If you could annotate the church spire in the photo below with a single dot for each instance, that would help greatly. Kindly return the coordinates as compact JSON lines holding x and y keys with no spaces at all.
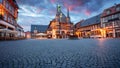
{"x":68,"y":13}
{"x":58,"y":9}
{"x":58,"y":12}
{"x":68,"y":16}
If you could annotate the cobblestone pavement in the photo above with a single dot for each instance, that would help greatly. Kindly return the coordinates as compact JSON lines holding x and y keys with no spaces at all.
{"x":83,"y":53}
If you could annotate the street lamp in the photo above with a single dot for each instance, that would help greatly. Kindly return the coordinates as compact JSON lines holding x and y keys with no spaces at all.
{"x":5,"y":31}
{"x":113,"y":27}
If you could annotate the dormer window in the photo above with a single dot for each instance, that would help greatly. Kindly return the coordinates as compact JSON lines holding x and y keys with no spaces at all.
{"x":108,"y":11}
{"x":118,"y":8}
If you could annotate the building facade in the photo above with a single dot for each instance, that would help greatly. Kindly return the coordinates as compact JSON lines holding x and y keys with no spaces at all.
{"x":28,"y":35}
{"x":60,"y":26}
{"x":8,"y":17}
{"x":110,"y":21}
{"x":89,"y":28}
{"x":39,"y":31}
{"x":20,"y":32}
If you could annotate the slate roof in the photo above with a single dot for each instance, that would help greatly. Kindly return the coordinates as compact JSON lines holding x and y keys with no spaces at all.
{"x":91,"y":21}
{"x":39,"y":28}
{"x":62,"y":17}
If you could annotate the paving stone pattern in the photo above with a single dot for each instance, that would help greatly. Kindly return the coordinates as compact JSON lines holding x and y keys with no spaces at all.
{"x":83,"y":53}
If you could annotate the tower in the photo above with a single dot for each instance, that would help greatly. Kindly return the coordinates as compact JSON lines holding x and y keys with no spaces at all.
{"x":68,"y":17}
{"x":58,"y":12}
{"x":68,"y":13}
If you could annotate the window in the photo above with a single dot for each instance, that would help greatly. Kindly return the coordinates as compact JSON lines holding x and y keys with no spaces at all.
{"x":7,"y":5}
{"x":5,"y":17}
{"x":112,"y":16}
{"x":57,"y":32}
{"x":118,"y":9}
{"x":8,"y":18}
{"x":108,"y":12}
{"x":105,"y":19}
{"x":0,"y":11}
{"x":115,"y":16}
{"x":109,"y":17}
{"x":102,"y":19}
{"x":12,"y":11}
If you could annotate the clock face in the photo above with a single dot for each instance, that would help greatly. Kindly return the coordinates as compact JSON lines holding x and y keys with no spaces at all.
{"x":59,"y":7}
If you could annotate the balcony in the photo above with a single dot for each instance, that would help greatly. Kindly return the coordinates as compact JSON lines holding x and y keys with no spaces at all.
{"x":8,"y":31}
{"x":6,"y":24}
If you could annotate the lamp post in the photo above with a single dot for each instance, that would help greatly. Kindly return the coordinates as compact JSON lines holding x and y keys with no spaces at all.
{"x":113,"y":27}
{"x":5,"y":35}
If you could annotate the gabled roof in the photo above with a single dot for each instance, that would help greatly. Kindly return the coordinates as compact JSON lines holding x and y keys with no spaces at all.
{"x":62,"y":17}
{"x":112,"y":10}
{"x":91,"y":21}
{"x":39,"y":28}
{"x":78,"y":24}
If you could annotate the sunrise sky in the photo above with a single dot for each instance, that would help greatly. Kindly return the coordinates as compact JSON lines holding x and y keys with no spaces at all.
{"x":41,"y":12}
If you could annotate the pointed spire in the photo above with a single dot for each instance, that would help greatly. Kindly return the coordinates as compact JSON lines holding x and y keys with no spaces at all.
{"x":68,"y":16}
{"x":57,"y":10}
{"x":68,"y":13}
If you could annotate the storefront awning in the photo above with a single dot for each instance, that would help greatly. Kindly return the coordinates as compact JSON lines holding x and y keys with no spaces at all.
{"x":41,"y":34}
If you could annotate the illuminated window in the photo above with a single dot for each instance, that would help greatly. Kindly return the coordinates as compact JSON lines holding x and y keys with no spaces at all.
{"x":57,"y":31}
{"x":109,"y":17}
{"x":1,"y":11}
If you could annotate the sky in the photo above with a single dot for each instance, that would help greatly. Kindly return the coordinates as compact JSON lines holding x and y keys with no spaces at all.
{"x":41,"y":12}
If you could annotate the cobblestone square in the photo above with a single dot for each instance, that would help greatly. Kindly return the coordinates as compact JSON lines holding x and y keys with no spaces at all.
{"x":83,"y":53}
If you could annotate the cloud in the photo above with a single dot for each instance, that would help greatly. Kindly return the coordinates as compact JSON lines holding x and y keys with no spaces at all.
{"x":87,"y":12}
{"x":43,"y":11}
{"x":52,"y":1}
